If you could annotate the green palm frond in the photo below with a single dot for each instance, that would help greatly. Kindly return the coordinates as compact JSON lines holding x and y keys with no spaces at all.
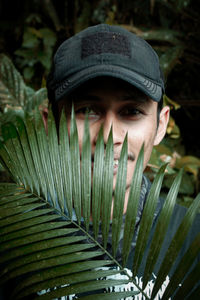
{"x":49,"y":245}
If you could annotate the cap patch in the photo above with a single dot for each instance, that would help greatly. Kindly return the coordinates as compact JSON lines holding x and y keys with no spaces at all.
{"x":105,"y":42}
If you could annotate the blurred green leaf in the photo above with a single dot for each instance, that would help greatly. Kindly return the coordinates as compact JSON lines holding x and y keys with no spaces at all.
{"x":13,"y":91}
{"x":190,"y":164}
{"x":164,"y":35}
{"x":170,"y":58}
{"x":83,"y":20}
{"x":181,"y":4}
{"x":188,"y":161}
{"x":37,"y":47}
{"x":48,"y":36}
{"x":30,"y":39}
{"x":28,"y":73}
{"x":38,"y":99}
{"x":172,"y":129}
{"x":187,"y":184}
{"x":15,"y":97}
{"x":170,"y":102}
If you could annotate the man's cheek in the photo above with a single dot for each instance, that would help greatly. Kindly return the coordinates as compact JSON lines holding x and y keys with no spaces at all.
{"x":80,"y":130}
{"x":130,"y":171}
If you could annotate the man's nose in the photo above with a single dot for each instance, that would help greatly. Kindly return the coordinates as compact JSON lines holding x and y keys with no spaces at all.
{"x":111,"y":121}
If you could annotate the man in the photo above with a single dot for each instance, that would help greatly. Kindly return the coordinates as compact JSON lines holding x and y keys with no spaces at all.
{"x":115,"y":77}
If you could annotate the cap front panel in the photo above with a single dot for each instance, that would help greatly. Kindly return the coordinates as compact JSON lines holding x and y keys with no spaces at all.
{"x":105,"y":50}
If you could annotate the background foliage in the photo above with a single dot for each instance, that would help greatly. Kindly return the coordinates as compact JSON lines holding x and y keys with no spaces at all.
{"x":32,"y":30}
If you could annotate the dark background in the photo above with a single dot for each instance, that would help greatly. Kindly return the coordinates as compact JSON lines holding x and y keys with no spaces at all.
{"x":65,"y":18}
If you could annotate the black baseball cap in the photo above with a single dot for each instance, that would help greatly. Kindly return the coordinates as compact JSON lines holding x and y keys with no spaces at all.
{"x":105,"y":50}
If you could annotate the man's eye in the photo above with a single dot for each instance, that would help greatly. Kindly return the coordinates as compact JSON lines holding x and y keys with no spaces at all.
{"x":82,"y":110}
{"x":130,"y":112}
{"x":86,"y":110}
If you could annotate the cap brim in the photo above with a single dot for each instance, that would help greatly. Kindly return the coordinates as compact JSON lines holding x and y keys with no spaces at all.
{"x":148,"y":87}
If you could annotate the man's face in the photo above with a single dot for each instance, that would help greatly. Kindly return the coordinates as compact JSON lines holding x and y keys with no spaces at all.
{"x":112,"y":102}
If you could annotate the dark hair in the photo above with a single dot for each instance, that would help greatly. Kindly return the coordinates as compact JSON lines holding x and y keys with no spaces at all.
{"x":159,"y":108}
